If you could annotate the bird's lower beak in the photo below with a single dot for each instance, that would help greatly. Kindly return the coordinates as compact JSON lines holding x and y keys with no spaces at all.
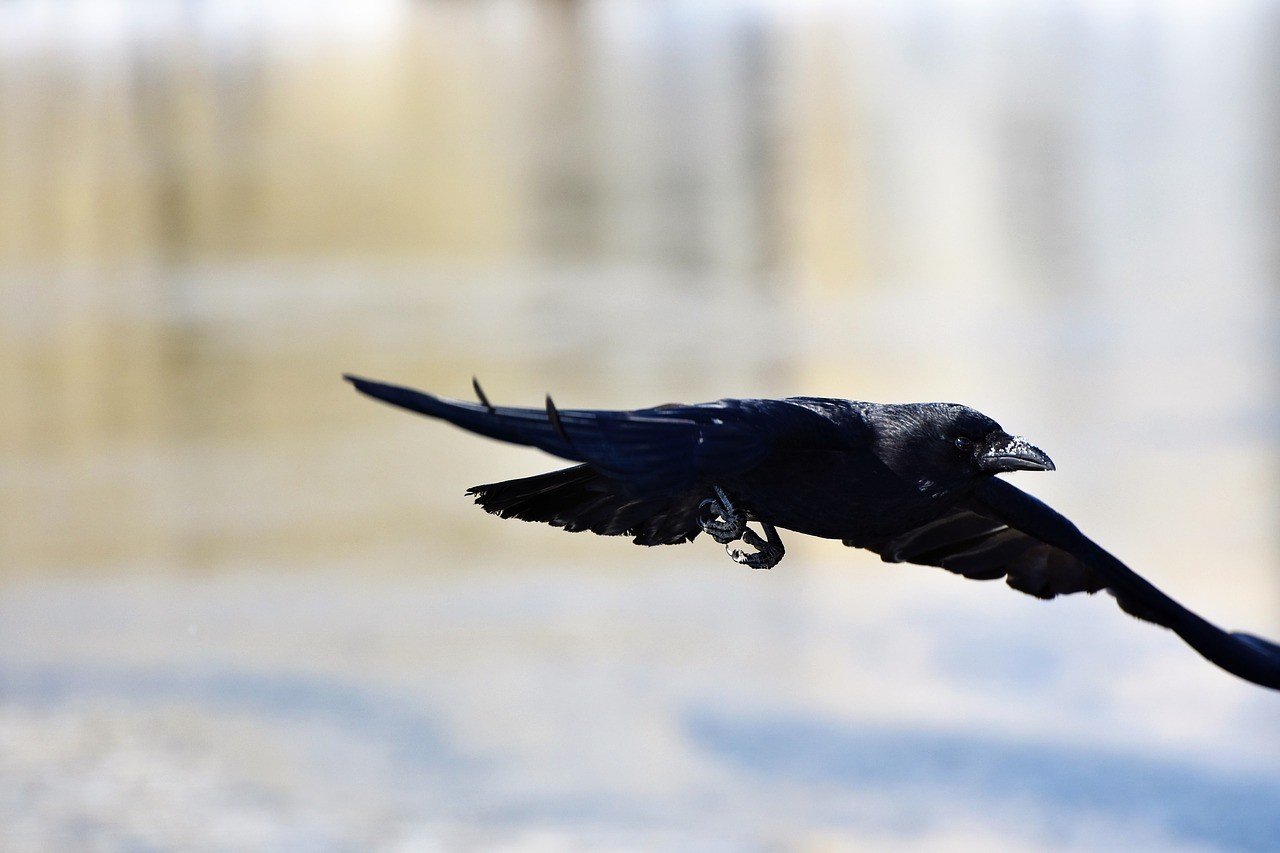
{"x":1014,"y":453}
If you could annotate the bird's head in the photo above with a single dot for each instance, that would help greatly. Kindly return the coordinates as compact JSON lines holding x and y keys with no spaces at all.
{"x":945,"y":446}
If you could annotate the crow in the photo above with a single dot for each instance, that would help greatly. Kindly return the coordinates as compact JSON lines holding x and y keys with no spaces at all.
{"x":912,"y":482}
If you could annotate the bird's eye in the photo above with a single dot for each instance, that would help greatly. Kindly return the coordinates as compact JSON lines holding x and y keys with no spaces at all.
{"x":964,"y":444}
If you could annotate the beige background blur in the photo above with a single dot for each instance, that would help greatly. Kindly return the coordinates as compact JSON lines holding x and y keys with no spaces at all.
{"x":241,"y":607}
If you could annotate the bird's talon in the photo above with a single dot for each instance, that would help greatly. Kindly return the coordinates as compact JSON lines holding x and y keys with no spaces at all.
{"x":766,"y":558}
{"x":769,"y":550}
{"x":726,"y":525}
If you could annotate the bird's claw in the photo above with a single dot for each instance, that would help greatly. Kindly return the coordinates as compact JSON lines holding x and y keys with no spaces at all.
{"x":730,"y":525}
{"x":726,"y":525}
{"x":768,"y":552}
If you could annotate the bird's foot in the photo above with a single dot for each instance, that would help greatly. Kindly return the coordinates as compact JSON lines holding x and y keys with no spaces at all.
{"x":769,"y":551}
{"x":731,"y":523}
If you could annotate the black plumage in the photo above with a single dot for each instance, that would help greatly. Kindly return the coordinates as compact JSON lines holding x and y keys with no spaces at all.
{"x":911,"y":482}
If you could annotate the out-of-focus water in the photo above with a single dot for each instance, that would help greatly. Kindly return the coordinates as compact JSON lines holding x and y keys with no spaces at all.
{"x":241,"y":607}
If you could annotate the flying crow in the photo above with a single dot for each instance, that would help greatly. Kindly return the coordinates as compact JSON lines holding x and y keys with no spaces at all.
{"x":912,"y":482}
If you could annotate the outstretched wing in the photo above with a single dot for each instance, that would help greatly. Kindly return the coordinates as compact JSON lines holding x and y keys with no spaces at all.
{"x":975,"y":542}
{"x":579,"y":498}
{"x":646,"y":450}
{"x":1005,"y":532}
{"x":1252,"y":658}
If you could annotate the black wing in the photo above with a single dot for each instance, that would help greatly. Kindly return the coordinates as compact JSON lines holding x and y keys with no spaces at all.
{"x":1005,"y":532}
{"x":973,"y":541}
{"x":579,"y":498}
{"x":660,"y":449}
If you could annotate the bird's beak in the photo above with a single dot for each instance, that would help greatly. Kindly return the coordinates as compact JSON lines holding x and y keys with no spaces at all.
{"x":1013,"y":453}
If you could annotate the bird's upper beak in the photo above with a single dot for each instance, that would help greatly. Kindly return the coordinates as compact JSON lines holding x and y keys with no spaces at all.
{"x":1013,"y":453}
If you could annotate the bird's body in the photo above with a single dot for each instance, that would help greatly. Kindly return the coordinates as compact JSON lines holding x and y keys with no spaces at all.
{"x":863,"y":489}
{"x":912,"y":482}
{"x":847,"y":495}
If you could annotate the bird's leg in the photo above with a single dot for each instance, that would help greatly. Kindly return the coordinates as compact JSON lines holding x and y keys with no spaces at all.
{"x":731,"y":523}
{"x":769,"y":551}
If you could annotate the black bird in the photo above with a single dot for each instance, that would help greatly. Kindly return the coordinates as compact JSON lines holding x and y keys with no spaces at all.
{"x":912,"y":482}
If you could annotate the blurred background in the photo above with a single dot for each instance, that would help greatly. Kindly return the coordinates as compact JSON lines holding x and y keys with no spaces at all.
{"x":243,"y":608}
